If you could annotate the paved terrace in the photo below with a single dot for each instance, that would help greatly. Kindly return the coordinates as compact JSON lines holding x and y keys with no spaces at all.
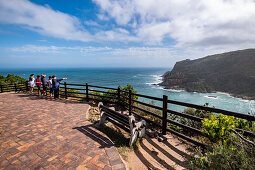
{"x":40,"y":133}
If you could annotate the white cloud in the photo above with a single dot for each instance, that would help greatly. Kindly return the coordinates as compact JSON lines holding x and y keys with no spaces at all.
{"x":91,"y":23}
{"x":88,"y":50}
{"x":129,"y":56}
{"x":38,"y":49}
{"x":204,"y":25}
{"x":198,"y":23}
{"x":42,"y":19}
{"x":47,"y":21}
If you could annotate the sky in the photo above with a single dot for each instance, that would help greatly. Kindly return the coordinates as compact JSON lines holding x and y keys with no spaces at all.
{"x":121,"y":33}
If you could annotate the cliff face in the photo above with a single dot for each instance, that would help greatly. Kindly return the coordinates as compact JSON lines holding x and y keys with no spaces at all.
{"x":232,"y":72}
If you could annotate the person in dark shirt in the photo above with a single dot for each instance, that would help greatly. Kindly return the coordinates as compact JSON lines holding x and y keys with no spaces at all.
{"x":44,"y":84}
{"x":55,"y":85}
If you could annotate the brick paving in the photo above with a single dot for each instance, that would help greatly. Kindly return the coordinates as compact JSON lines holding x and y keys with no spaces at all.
{"x":40,"y":133}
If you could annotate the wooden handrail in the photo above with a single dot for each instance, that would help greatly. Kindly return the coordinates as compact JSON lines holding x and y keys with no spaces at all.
{"x":128,"y":103}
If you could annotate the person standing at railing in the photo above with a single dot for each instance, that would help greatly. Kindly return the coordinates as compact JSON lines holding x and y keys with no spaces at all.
{"x":55,"y":85}
{"x":50,"y":86}
{"x":31,"y":83}
{"x":38,"y":84}
{"x":44,"y":84}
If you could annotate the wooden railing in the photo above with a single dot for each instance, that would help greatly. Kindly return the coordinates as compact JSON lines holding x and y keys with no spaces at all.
{"x":125,"y":99}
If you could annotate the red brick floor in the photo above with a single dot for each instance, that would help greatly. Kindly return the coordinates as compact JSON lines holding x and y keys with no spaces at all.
{"x":40,"y":133}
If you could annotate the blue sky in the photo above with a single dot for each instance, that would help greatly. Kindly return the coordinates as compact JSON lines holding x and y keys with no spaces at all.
{"x":121,"y":33}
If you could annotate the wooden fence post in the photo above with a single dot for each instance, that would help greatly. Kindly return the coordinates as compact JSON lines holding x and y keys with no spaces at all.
{"x":1,"y":88}
{"x":118,"y":96}
{"x":130,"y":102}
{"x":15,"y":86}
{"x":65,"y":90}
{"x":164,"y":116}
{"x":26,"y":84}
{"x":87,"y":92}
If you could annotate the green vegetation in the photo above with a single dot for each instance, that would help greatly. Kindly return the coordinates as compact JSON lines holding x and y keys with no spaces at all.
{"x":229,"y":149}
{"x":218,"y":127}
{"x":112,"y":95}
{"x":10,"y":79}
{"x":231,"y":72}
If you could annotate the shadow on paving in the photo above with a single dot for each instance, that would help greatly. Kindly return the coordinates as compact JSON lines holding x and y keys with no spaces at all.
{"x":89,"y":132}
{"x":61,"y":100}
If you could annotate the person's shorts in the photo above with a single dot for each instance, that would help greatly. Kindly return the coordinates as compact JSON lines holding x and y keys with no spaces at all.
{"x":51,"y":90}
{"x":44,"y":87}
{"x":39,"y":88}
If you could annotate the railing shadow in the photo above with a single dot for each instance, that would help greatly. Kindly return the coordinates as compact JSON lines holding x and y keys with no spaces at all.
{"x":155,"y":157}
{"x":144,"y":160}
{"x":171,"y":157}
{"x":162,"y":162}
{"x":89,"y":131}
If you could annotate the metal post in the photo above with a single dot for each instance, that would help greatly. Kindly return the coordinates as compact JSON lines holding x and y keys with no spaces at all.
{"x":65,"y":90}
{"x":130,"y":102}
{"x":87,"y":92}
{"x":164,"y":116}
{"x":15,"y":86}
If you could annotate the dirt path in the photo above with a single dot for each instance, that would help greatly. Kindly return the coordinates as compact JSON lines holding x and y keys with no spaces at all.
{"x":170,"y":154}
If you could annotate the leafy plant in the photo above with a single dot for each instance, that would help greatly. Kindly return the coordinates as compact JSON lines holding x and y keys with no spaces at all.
{"x":217,"y":128}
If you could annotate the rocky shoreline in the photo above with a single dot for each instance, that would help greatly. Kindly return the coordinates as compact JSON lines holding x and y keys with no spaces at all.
{"x":226,"y":93}
{"x":231,"y":73}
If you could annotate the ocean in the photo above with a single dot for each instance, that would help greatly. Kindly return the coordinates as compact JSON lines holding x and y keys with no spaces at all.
{"x":143,"y":80}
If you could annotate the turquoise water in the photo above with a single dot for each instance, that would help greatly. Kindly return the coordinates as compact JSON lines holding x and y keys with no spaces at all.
{"x":142,"y":79}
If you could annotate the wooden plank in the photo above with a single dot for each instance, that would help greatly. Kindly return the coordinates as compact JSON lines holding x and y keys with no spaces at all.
{"x":147,"y":120}
{"x":149,"y":105}
{"x":101,"y":91}
{"x":186,"y":138}
{"x":185,"y":115}
{"x":210,"y":109}
{"x":146,"y":111}
{"x":184,"y":126}
{"x":118,"y":124}
{"x":102,"y":87}
{"x":149,"y":97}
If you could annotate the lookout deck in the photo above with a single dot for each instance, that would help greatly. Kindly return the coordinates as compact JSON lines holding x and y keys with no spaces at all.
{"x":43,"y":134}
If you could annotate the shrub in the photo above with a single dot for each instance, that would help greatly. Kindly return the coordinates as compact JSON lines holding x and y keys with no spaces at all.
{"x":228,"y":150}
{"x":10,"y":79}
{"x":114,"y":94}
{"x":234,"y":154}
{"x":217,"y":128}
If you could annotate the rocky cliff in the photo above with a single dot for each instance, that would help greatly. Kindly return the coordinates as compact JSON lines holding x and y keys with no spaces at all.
{"x":231,"y":72}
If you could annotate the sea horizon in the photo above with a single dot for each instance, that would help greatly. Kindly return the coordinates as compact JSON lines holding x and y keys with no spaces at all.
{"x":143,"y":80}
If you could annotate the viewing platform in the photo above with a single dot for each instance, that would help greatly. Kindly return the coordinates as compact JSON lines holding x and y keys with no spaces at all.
{"x":41,"y":133}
